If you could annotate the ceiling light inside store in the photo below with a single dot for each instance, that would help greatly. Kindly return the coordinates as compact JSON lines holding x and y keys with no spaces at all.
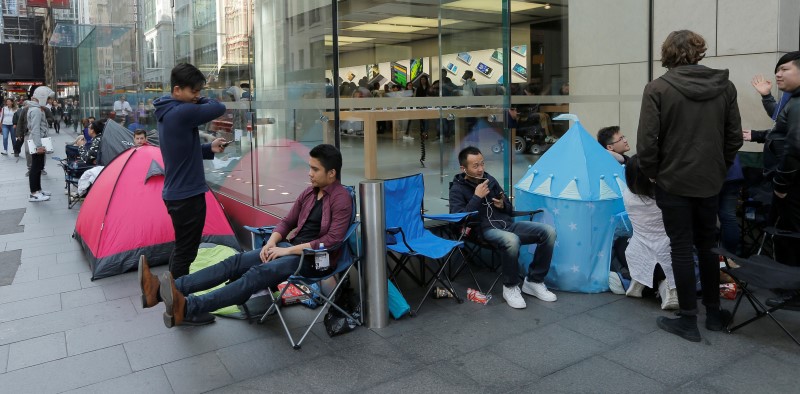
{"x":385,"y":28}
{"x":490,"y":6}
{"x":345,"y":40}
{"x":414,"y":21}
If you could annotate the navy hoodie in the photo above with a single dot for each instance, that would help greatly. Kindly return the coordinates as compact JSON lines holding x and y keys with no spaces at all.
{"x":463,"y":199}
{"x":179,"y":138}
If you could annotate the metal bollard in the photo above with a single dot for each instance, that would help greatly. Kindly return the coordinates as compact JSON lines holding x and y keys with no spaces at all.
{"x":373,"y":229}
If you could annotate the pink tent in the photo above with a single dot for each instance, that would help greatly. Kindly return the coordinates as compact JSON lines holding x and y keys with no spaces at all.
{"x":124,"y":216}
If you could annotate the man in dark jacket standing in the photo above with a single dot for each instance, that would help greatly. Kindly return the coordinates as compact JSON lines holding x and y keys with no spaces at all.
{"x":179,"y":116}
{"x":689,"y":133}
{"x":475,"y":190}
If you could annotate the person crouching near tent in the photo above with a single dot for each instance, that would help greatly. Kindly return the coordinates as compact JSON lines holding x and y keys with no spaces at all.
{"x":648,"y":251}
{"x":321,"y":215}
{"x":139,"y":137}
{"x":89,"y":154}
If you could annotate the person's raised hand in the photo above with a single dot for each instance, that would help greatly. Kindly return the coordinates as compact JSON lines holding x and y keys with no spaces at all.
{"x":482,"y":189}
{"x":762,"y":85}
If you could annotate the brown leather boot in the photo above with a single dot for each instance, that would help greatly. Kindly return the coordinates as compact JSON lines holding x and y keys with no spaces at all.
{"x":173,"y":300}
{"x":149,"y":284}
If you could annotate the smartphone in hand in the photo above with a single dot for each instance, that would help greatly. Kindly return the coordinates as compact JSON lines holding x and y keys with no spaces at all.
{"x":226,"y":143}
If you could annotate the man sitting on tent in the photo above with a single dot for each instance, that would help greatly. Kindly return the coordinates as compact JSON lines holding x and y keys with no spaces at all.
{"x":476,"y":190}
{"x":321,"y":215}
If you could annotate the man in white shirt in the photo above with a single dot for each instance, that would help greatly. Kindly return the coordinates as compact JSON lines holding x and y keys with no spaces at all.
{"x":123,"y":108}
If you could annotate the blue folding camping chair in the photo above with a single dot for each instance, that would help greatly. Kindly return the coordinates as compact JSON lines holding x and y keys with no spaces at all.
{"x":348,"y":258}
{"x":404,"y":214}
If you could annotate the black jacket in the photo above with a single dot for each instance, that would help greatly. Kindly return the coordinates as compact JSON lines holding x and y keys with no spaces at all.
{"x":784,"y":142}
{"x":463,"y":199}
{"x":689,"y":130}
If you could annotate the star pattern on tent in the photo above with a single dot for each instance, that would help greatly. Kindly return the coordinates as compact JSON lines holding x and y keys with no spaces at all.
{"x":575,"y":268}
{"x":556,"y":244}
{"x":573,"y":226}
{"x":590,"y":205}
{"x":601,"y":254}
{"x":555,"y":211}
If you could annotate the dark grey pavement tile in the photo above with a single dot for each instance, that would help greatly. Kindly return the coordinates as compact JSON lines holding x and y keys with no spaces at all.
{"x":36,"y":351}
{"x":279,"y":381}
{"x":30,"y":307}
{"x":757,"y":372}
{"x":421,"y":382}
{"x":60,"y":269}
{"x":68,"y":373}
{"x":82,"y":297}
{"x":264,"y":355}
{"x":115,"y":332}
{"x":548,"y":349}
{"x":377,"y":362}
{"x":182,"y":342}
{"x":197,"y":374}
{"x":424,"y":347}
{"x":490,"y":371}
{"x":39,"y":288}
{"x":357,"y":337}
{"x":673,"y":360}
{"x":597,"y":375}
{"x":36,"y":326}
{"x":573,"y":303}
{"x":150,"y":381}
{"x":635,"y":313}
{"x":599,"y":329}
{"x":3,"y":358}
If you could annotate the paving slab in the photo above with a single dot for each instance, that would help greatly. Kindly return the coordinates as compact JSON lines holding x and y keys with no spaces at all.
{"x":39,"y":288}
{"x":30,"y":307}
{"x":82,"y":297}
{"x":9,"y":264}
{"x":490,"y":371}
{"x":115,"y":332}
{"x":597,"y":375}
{"x":197,"y":374}
{"x":150,"y":381}
{"x":68,"y":373}
{"x":3,"y":358}
{"x":753,"y":373}
{"x":264,"y":355}
{"x":36,"y":351}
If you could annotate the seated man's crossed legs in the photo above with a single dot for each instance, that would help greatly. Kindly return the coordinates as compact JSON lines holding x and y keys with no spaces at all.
{"x":246,"y":271}
{"x":508,"y":241}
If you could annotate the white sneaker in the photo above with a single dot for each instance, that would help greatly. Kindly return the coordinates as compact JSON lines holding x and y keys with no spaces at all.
{"x":669,"y":297}
{"x":635,"y":289}
{"x":538,"y":290}
{"x":46,"y":193}
{"x":408,"y":138}
{"x":513,"y":297}
{"x":5,"y":152}
{"x":37,"y":197}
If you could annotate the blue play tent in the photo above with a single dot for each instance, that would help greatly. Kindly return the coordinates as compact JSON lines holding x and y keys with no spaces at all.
{"x":579,"y":186}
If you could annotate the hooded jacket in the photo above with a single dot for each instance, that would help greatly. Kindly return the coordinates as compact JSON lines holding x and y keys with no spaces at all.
{"x":784,"y":144}
{"x":179,"y":136}
{"x":463,"y":199}
{"x":689,"y":130}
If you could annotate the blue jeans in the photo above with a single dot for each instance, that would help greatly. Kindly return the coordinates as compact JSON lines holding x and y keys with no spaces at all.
{"x":728,"y":224}
{"x":508,"y":242}
{"x":8,"y":134}
{"x":247,"y":274}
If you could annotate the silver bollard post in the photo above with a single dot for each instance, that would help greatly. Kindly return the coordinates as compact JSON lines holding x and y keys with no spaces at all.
{"x":373,"y":228}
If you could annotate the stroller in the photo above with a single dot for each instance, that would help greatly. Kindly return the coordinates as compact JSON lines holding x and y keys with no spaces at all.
{"x":73,"y":170}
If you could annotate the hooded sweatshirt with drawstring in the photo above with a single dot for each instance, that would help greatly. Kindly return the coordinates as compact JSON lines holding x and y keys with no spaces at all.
{"x":179,"y":139}
{"x":689,"y":130}
{"x":36,"y":118}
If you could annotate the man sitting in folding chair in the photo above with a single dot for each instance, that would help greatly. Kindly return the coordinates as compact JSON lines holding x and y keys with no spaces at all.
{"x":475,"y":190}
{"x":321,"y":215}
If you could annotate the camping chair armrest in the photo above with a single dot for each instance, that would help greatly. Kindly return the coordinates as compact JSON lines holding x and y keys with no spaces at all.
{"x":517,"y":214}
{"x":263,"y":232}
{"x":781,"y":233}
{"x":394,"y":231}
{"x":451,"y":217}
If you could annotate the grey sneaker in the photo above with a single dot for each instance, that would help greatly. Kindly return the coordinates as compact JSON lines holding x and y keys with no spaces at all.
{"x":46,"y":193}
{"x":538,"y":290}
{"x":38,"y":197}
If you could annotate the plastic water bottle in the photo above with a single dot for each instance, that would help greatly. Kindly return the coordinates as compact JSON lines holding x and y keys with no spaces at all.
{"x":321,"y":260}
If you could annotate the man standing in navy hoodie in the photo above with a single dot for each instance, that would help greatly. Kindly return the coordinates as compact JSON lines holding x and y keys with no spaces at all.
{"x":179,"y":116}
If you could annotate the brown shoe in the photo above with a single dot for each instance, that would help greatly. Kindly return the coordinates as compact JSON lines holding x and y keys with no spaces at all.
{"x":148,"y":283}
{"x":173,"y":300}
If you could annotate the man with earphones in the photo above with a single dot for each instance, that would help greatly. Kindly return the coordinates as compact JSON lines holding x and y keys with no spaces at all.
{"x":475,"y":190}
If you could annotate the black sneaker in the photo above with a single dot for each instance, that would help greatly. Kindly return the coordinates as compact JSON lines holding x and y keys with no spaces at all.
{"x":717,"y":319}
{"x":684,"y":327}
{"x":199,"y":320}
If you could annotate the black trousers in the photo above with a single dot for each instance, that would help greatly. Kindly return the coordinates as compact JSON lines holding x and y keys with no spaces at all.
{"x":188,"y":218}
{"x":787,"y":212}
{"x":692,"y":222}
{"x":35,"y":176}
